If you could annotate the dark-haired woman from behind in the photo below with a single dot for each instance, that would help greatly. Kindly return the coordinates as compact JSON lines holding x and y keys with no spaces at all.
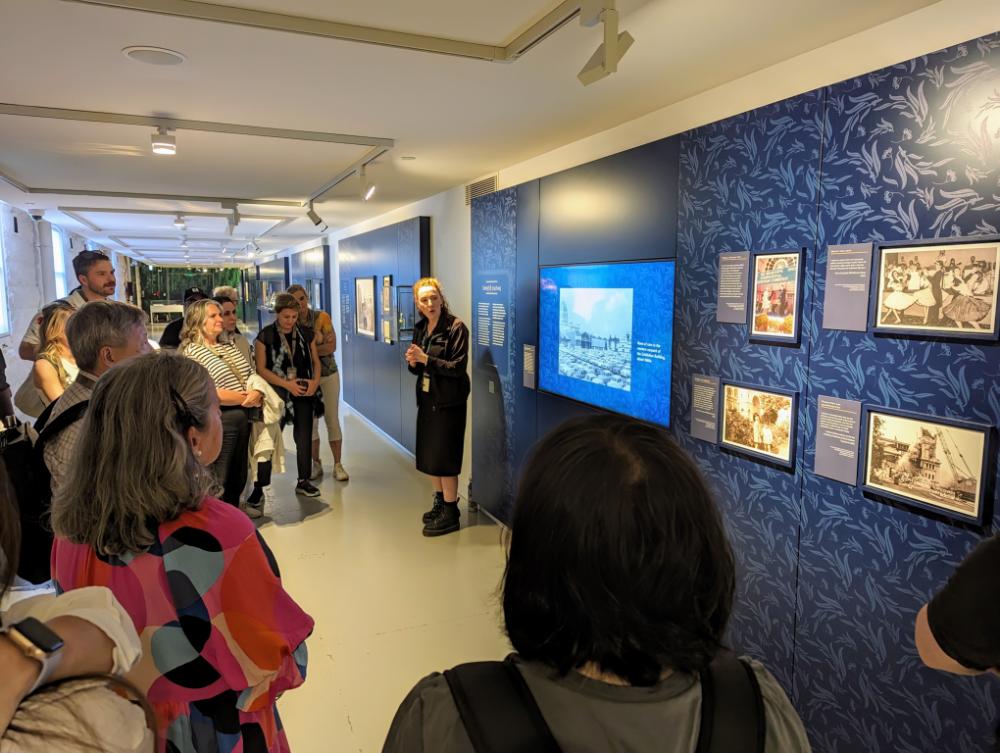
{"x":618,"y":587}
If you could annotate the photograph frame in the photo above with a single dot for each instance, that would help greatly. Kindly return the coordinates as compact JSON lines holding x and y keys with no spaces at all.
{"x":794,"y":339}
{"x":360,"y":283}
{"x":742,"y":449}
{"x":921,"y":505}
{"x":930,"y":332}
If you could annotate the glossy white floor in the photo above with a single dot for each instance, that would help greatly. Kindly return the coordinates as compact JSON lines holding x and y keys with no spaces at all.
{"x":390,"y":605}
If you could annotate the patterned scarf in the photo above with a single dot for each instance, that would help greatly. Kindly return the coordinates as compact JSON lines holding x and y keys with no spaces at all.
{"x":281,"y":360}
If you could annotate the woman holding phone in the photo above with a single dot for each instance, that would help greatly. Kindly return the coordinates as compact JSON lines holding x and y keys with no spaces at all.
{"x":286,"y":358}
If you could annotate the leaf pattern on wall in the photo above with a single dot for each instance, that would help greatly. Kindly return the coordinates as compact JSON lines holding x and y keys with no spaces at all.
{"x":494,"y":238}
{"x":747,"y":183}
{"x":911,"y":151}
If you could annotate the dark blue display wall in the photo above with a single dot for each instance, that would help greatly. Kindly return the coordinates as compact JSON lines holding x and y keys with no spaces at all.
{"x":829,"y":580}
{"x":311,"y":270}
{"x":375,"y":380}
{"x":622,"y":208}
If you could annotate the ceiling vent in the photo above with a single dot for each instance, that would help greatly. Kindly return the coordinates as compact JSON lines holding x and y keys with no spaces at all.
{"x":480,"y":188}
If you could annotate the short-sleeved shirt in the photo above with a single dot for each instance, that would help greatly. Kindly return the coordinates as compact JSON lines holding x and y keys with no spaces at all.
{"x":270,"y":338}
{"x":589,"y":716}
{"x":964,"y":616}
{"x":75,"y":299}
{"x":320,"y":323}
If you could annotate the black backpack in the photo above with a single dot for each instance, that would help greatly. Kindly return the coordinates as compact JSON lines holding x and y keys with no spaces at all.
{"x":23,"y":455}
{"x":501,"y":715}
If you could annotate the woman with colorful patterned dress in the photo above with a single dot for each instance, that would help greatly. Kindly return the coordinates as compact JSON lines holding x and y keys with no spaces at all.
{"x":221,"y":638}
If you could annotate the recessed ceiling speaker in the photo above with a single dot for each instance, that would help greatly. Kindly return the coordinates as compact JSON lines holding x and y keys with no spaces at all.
{"x":153,"y":55}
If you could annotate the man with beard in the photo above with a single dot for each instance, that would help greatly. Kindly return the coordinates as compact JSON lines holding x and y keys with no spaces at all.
{"x":96,"y":275}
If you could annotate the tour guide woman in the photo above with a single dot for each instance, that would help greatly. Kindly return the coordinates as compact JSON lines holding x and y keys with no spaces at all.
{"x":439,"y":356}
{"x":286,"y":357}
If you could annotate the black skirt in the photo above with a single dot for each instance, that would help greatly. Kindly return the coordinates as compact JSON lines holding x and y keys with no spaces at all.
{"x":440,"y":439}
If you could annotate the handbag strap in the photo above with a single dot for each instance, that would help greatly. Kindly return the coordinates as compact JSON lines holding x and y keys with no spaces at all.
{"x":498,"y":710}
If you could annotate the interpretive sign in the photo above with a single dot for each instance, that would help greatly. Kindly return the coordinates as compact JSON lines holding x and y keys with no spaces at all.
{"x":705,"y":408}
{"x":734,"y":273}
{"x":848,"y":278}
{"x":838,"y":429}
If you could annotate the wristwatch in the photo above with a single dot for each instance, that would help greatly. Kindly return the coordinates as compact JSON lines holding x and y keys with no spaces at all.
{"x":37,"y":642}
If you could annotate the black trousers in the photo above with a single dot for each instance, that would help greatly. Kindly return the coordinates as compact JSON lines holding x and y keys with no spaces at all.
{"x":302,"y":432}
{"x":232,"y":465}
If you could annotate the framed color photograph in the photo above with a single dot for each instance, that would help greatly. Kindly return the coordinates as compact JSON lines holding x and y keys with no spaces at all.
{"x":758,"y":422}
{"x":938,"y":290}
{"x":775,"y":297}
{"x":932,"y":463}
{"x":364,"y":306}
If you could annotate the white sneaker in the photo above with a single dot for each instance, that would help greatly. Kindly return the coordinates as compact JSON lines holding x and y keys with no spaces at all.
{"x":317,"y":470}
{"x":339,"y":473}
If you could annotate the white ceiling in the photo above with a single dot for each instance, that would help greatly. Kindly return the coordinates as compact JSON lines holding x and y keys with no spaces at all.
{"x":460,"y":118}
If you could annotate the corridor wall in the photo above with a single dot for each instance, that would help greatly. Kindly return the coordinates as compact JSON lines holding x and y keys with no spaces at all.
{"x":375,"y":380}
{"x":829,"y":579}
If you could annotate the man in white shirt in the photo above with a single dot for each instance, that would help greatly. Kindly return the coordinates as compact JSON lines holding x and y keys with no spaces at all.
{"x":96,"y":276}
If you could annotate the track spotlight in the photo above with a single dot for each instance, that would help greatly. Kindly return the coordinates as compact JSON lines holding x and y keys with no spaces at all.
{"x":179,"y":223}
{"x":605,"y":59}
{"x":184,"y":243}
{"x":367,"y":186}
{"x":316,"y":219}
{"x":163,"y":141}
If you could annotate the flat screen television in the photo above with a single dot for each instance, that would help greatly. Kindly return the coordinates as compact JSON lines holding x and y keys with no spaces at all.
{"x":606,"y":335}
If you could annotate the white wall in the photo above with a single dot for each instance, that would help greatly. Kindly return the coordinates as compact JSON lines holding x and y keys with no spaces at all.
{"x":24,"y":288}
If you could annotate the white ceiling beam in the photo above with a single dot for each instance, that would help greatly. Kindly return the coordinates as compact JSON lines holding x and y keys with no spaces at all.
{"x":317,"y":27}
{"x":180,"y":124}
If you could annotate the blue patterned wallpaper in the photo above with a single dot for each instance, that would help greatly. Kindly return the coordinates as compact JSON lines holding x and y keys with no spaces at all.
{"x":912,"y":151}
{"x":829,"y":580}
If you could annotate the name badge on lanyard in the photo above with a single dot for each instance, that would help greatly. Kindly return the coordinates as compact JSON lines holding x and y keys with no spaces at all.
{"x":426,"y":383}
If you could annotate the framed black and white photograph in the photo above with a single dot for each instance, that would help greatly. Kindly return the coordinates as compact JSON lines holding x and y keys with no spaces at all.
{"x":364,"y":306}
{"x":776,"y":297}
{"x":937,"y":289}
{"x":758,"y":422}
{"x":928,"y":462}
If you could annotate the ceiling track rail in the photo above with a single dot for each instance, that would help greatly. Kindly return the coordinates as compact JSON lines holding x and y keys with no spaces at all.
{"x":200,"y":11}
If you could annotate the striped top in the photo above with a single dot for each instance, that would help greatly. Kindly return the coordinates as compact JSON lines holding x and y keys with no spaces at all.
{"x":224,"y":362}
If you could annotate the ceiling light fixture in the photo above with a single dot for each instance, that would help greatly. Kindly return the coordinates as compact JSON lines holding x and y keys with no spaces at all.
{"x":163,"y":141}
{"x":367,"y":186}
{"x":184,"y":243}
{"x":153,"y":55}
{"x":315,"y":218}
{"x":605,"y":59}
{"x":179,"y":223}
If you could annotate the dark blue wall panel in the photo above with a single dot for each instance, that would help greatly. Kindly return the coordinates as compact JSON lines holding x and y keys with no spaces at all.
{"x":748,"y":183}
{"x":378,"y":385}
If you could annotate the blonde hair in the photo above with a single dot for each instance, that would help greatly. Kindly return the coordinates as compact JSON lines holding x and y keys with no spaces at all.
{"x":296,"y":288}
{"x":134,"y":467}
{"x":430,"y":282}
{"x":54,"y":318}
{"x":195,"y":317}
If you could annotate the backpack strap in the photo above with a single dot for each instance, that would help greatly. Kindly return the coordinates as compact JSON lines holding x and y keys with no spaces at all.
{"x":498,"y":710}
{"x":52,"y":427}
{"x":732,"y":708}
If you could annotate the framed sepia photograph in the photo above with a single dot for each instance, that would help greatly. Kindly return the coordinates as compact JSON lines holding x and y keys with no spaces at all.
{"x":932,"y":463}
{"x":364,"y":306}
{"x":937,"y":289}
{"x":775,"y":297}
{"x":387,"y":294}
{"x":758,"y":422}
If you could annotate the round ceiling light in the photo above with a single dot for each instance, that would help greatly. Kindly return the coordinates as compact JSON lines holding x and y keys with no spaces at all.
{"x":153,"y":55}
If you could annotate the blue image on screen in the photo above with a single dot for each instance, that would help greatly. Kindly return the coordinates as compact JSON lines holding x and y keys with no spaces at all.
{"x":606,"y":335}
